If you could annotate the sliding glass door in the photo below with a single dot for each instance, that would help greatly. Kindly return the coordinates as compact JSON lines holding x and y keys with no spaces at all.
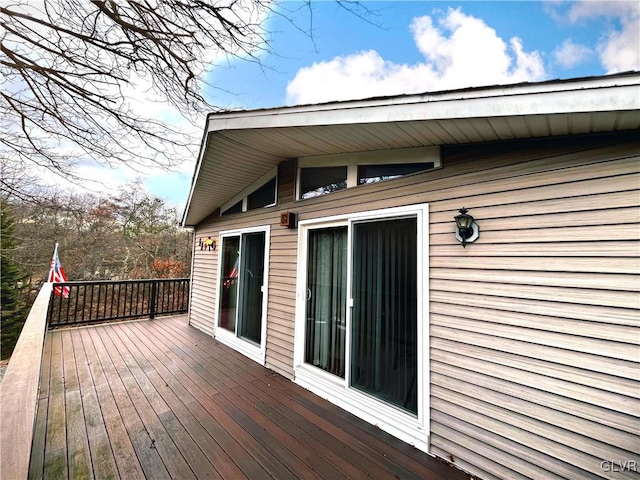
{"x":384,"y":317}
{"x":326,"y":299}
{"x":251,"y":283}
{"x":382,"y":358}
{"x":228,"y":310}
{"x":242,"y":283}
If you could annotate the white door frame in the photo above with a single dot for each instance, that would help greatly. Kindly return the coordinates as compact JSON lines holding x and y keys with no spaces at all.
{"x":409,"y":428}
{"x":247,"y":348}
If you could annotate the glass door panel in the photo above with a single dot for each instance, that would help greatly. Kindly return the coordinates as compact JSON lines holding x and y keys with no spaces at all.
{"x":326,"y":299}
{"x":251,"y":282}
{"x":384,"y":317}
{"x":229,"y":284}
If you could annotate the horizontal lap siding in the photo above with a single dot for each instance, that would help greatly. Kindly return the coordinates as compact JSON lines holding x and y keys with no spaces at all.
{"x":533,"y":328}
{"x":282,"y":274}
{"x":535,"y":355}
{"x":203,"y":294}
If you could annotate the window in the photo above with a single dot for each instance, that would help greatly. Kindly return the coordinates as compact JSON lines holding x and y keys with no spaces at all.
{"x":261,"y":193}
{"x":235,"y":208}
{"x":362,"y":318}
{"x":316,"y":181}
{"x":263,"y":196}
{"x":330,"y":173}
{"x":241,"y":301}
{"x":377,"y":173}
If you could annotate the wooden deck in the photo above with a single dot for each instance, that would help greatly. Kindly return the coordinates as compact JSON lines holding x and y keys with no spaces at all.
{"x":159,"y":399}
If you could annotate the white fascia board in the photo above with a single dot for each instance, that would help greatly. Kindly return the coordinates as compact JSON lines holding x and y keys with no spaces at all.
{"x":597,"y":95}
{"x":194,"y":179}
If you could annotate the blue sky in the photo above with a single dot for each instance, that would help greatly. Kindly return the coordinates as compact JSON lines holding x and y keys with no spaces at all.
{"x":541,"y":27}
{"x":412,"y":46}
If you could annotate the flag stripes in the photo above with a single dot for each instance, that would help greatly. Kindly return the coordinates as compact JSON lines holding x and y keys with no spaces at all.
{"x":57,"y":275}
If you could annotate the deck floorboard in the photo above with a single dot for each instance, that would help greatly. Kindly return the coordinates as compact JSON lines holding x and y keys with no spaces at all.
{"x":159,"y":399}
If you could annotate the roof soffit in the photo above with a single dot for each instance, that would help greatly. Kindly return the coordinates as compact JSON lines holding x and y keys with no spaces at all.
{"x":239,"y":147}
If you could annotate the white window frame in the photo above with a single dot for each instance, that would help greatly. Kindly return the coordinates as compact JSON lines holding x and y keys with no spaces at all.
{"x":244,"y":194}
{"x":377,"y":157}
{"x":394,"y":420}
{"x":255,"y":352}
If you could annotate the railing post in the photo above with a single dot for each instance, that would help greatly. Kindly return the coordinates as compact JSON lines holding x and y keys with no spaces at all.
{"x":152,"y":300}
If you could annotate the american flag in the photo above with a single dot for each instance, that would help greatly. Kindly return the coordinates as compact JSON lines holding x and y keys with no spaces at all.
{"x":233,"y":274}
{"x":57,"y":275}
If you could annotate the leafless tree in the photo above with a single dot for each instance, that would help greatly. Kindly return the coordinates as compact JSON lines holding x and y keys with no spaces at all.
{"x":70,"y":69}
{"x":119,"y":235}
{"x":72,"y":72}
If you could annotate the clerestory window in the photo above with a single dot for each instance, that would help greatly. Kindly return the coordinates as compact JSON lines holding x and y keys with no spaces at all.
{"x":330,"y":173}
{"x":260,"y":194}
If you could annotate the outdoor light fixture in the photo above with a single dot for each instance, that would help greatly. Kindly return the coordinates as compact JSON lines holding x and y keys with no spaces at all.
{"x":468,"y":230}
{"x":288,"y":219}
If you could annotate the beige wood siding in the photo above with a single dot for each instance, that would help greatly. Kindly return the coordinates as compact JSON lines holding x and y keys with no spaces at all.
{"x":282,"y":273}
{"x":535,"y":353}
{"x":534,"y":339}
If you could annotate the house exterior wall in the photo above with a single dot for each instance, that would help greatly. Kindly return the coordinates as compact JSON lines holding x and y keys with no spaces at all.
{"x":534,"y":355}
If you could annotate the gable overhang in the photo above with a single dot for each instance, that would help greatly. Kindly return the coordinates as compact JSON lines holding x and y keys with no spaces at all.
{"x":239,"y":147}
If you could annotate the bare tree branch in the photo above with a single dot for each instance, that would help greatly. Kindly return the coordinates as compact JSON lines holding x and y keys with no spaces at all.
{"x":74,"y":72}
{"x":70,"y":71}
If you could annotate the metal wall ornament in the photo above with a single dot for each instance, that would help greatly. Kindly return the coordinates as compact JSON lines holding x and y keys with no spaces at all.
{"x":207,"y":244}
{"x":467,"y":230}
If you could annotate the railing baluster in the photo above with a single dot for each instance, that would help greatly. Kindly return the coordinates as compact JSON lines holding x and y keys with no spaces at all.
{"x":137,"y":297}
{"x":144,"y":305}
{"x":118,"y":302}
{"x":176,"y":295}
{"x":113,"y":291}
{"x":91,"y":301}
{"x":143,"y":299}
{"x":59,"y":309}
{"x":65,"y":303}
{"x":84,"y":301}
{"x":163,"y":304}
{"x":185,"y":296}
{"x":77,"y":296}
{"x":129,"y":293}
{"x":152,"y":299}
{"x":99,"y":302}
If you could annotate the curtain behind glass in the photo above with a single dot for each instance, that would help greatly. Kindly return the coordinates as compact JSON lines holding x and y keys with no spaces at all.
{"x":229,"y":284}
{"x":251,"y":281}
{"x":326,"y":299}
{"x":384,"y":323}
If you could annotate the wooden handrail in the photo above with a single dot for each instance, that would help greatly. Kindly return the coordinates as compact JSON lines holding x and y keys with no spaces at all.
{"x":19,"y":391}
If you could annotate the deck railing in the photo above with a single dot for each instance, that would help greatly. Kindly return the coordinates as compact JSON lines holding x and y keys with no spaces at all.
{"x":112,"y":300}
{"x":86,"y":302}
{"x":19,"y":391}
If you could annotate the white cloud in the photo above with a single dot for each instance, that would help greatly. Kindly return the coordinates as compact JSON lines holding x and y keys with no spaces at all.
{"x":361,"y":75}
{"x":459,"y":51}
{"x":618,"y":46}
{"x":570,"y":54}
{"x":621,"y":49}
{"x":585,"y":9}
